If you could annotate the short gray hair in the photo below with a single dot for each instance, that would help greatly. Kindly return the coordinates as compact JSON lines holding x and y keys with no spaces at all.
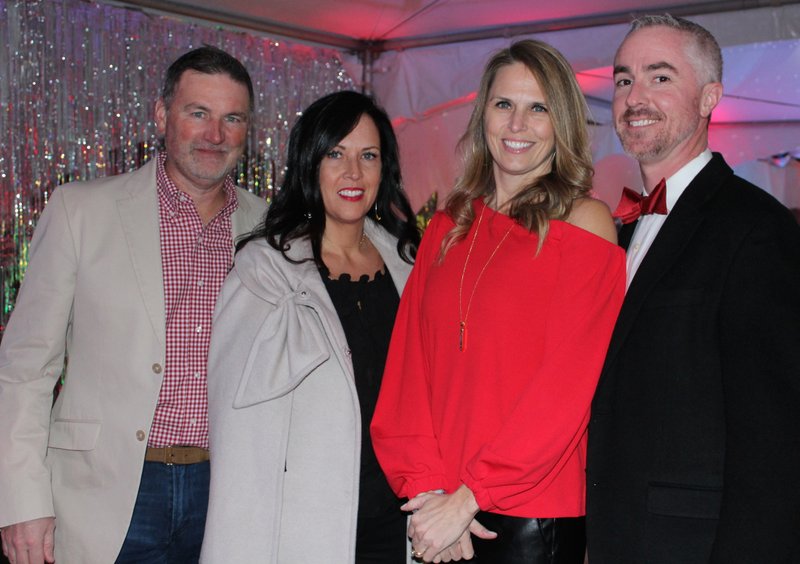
{"x":703,"y":52}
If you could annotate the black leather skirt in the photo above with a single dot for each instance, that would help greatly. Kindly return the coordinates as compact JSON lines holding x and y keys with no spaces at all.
{"x":531,"y":541}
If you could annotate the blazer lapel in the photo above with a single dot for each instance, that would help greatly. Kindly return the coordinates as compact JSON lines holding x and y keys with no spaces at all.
{"x":244,"y":217}
{"x":138,"y":210}
{"x":238,"y":218}
{"x":672,"y":239}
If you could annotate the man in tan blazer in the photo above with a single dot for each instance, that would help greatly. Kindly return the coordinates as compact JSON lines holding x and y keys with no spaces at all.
{"x":121,"y":283}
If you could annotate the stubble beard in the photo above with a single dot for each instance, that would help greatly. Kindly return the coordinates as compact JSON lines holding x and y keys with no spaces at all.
{"x":209,"y":171}
{"x":635,"y":142}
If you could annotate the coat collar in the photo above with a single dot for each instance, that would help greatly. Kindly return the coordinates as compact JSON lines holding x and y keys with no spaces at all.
{"x":675,"y":235}
{"x":385,"y":243}
{"x":311,"y":281}
{"x":309,"y":274}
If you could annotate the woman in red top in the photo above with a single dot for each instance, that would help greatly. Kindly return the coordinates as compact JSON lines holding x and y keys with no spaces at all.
{"x":502,"y":330}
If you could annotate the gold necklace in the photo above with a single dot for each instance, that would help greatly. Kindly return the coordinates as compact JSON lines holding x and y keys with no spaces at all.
{"x":363,"y":241}
{"x":462,"y":323}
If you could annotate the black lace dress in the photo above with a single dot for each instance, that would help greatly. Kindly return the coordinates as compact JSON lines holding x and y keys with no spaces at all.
{"x":366,"y":309}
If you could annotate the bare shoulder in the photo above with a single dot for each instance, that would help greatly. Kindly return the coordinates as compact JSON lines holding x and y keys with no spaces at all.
{"x":593,"y":216}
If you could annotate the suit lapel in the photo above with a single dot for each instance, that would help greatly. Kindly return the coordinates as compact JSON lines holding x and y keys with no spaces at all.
{"x":669,"y":244}
{"x":626,"y":234}
{"x":138,"y":210}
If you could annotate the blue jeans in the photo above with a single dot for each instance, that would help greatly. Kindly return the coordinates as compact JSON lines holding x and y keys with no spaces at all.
{"x":169,"y":516}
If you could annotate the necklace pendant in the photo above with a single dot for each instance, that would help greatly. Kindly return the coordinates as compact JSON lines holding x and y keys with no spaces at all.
{"x":462,"y":336}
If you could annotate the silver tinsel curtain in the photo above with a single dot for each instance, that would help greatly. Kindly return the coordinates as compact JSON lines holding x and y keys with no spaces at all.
{"x":78,"y":82}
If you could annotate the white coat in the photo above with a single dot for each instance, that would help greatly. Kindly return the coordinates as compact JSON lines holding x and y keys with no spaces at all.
{"x":285,"y":423}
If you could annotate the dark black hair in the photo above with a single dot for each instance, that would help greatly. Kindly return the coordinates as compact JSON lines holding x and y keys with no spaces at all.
{"x":207,"y":60}
{"x":297,"y":209}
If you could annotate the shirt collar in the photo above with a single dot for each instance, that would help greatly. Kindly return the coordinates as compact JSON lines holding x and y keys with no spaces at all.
{"x":176,"y":200}
{"x":678,"y":182}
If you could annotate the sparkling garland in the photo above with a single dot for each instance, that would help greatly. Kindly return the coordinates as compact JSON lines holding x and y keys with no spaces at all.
{"x":78,"y":82}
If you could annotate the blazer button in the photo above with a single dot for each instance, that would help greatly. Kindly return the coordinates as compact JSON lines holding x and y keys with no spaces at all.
{"x":157,"y":368}
{"x":140,"y":435}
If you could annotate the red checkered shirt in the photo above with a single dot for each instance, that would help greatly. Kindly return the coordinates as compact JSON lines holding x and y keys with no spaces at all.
{"x":194,"y":259}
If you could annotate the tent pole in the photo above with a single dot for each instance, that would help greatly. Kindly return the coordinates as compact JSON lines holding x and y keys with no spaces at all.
{"x":367,"y":59}
{"x":368,"y":54}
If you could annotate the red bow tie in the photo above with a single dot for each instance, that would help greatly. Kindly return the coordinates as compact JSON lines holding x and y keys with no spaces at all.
{"x":633,"y":205}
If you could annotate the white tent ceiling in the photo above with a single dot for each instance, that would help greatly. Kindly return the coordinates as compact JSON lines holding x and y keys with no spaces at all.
{"x":423,"y":60}
{"x":401,"y":23}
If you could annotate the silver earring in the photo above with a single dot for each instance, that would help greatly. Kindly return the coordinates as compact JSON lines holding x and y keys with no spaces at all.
{"x":377,"y":215}
{"x":308,"y":216}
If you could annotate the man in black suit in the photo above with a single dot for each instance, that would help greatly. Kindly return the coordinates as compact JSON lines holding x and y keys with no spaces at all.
{"x":694,"y":440}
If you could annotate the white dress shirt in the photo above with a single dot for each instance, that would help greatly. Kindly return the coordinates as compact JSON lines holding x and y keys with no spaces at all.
{"x":649,"y":225}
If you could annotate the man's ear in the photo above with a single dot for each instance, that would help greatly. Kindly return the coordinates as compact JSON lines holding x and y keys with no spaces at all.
{"x":161,"y":116}
{"x":710,"y":95}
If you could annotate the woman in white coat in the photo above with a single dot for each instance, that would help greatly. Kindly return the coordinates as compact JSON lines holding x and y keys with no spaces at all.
{"x":298,"y":346}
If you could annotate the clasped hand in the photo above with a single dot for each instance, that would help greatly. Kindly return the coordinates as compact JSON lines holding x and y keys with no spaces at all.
{"x":441,"y":525}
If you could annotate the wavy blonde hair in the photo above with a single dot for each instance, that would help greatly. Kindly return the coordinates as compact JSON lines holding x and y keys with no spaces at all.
{"x":549,"y":196}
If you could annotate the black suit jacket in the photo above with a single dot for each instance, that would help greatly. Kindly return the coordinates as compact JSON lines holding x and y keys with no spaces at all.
{"x":694,"y":440}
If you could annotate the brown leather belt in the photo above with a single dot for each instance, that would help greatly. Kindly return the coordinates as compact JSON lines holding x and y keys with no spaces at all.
{"x":176,"y":455}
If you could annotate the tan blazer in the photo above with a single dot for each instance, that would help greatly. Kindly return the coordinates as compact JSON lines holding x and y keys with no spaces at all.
{"x":94,"y":290}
